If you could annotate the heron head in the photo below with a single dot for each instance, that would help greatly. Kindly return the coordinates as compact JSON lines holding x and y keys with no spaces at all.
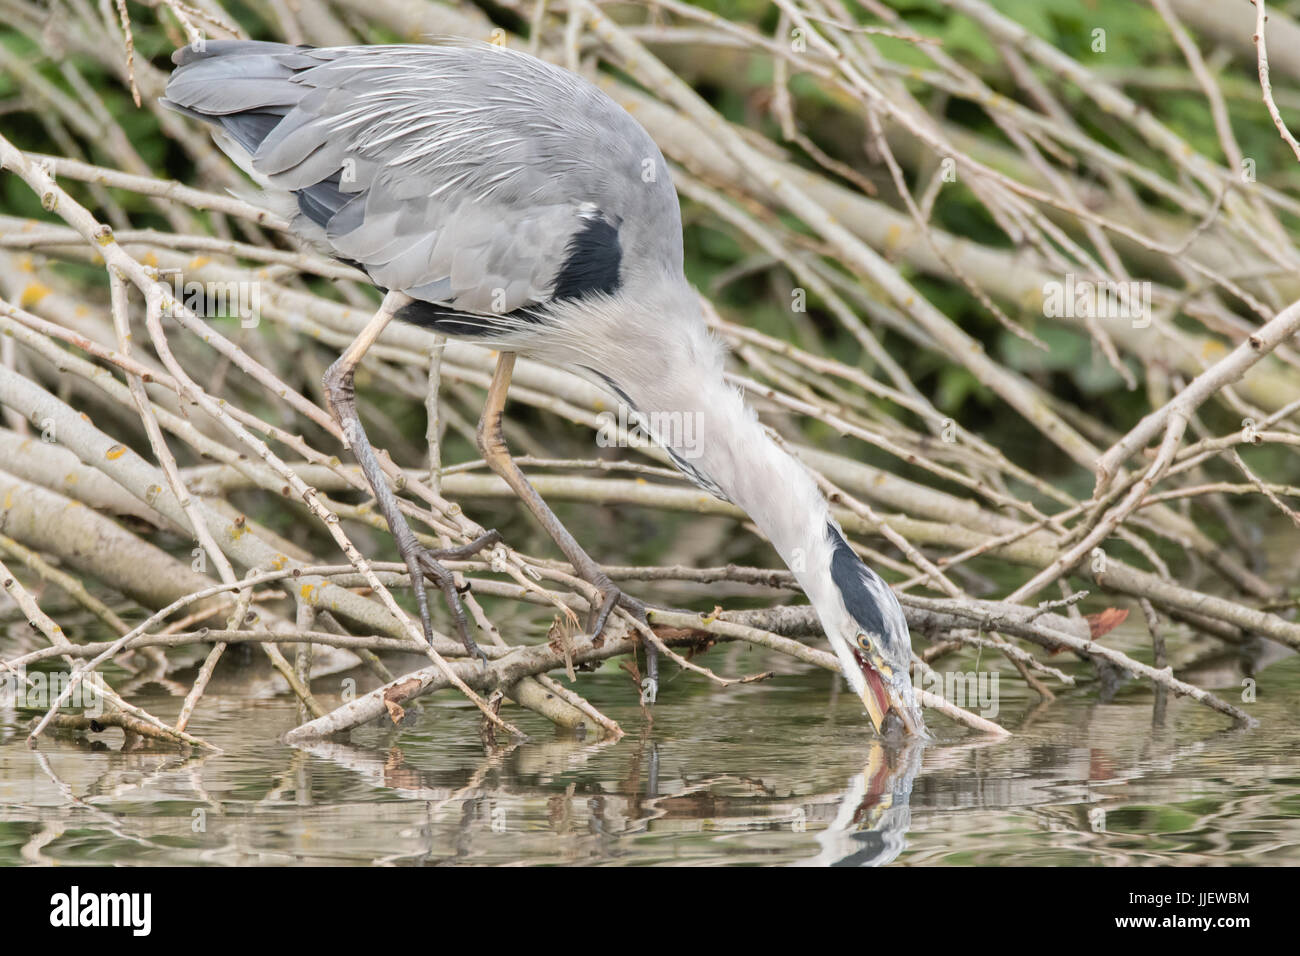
{"x":867,"y":629}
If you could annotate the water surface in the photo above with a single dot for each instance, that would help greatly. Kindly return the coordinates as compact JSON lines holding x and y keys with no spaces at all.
{"x":782,"y":772}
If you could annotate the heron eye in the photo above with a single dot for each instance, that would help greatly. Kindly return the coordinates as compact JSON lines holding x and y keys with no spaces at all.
{"x":863,"y":642}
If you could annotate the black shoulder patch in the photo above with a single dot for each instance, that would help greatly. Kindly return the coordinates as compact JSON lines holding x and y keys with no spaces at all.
{"x":591,"y":262}
{"x":847,"y":573}
{"x":445,"y":321}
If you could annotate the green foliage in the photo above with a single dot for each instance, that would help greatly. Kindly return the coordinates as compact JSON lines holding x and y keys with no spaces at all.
{"x":1071,"y":352}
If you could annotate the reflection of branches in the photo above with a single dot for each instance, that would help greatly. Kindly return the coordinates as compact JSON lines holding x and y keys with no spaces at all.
{"x":101,"y":818}
{"x":569,"y":800}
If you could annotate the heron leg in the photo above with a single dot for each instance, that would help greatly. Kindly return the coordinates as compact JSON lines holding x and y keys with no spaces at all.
{"x":422,"y":562}
{"x":492,"y":443}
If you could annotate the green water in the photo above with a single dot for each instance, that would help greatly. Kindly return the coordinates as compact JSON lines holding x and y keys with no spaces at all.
{"x":782,"y":772}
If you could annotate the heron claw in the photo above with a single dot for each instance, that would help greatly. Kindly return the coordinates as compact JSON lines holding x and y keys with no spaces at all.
{"x":427,"y":562}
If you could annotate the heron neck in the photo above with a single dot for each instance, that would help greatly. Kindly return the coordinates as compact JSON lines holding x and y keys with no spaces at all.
{"x":716,"y":440}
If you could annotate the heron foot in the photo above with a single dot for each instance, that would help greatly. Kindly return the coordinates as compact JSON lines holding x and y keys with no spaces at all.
{"x":426,"y":563}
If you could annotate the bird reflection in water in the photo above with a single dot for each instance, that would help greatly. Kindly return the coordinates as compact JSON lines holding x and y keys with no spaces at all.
{"x":870,"y":828}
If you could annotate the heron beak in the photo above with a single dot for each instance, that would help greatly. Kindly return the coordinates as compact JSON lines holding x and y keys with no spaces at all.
{"x":874,"y":695}
{"x":874,"y":710}
{"x":880,"y":696}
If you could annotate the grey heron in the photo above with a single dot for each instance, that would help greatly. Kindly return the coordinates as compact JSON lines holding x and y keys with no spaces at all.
{"x":501,"y":199}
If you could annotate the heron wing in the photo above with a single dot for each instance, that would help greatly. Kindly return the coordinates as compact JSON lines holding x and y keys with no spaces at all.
{"x":464,"y":175}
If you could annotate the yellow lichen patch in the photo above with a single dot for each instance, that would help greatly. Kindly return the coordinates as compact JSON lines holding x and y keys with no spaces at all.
{"x":893,"y":236}
{"x":70,"y":478}
{"x":150,"y":259}
{"x":34,"y":292}
{"x":9,"y":500}
{"x":306,"y":592}
{"x":198,"y":262}
{"x":1212,"y":349}
{"x":116,"y":452}
{"x":278,"y":563}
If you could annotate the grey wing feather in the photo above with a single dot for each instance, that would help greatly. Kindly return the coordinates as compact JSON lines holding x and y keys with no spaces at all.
{"x":460,"y":174}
